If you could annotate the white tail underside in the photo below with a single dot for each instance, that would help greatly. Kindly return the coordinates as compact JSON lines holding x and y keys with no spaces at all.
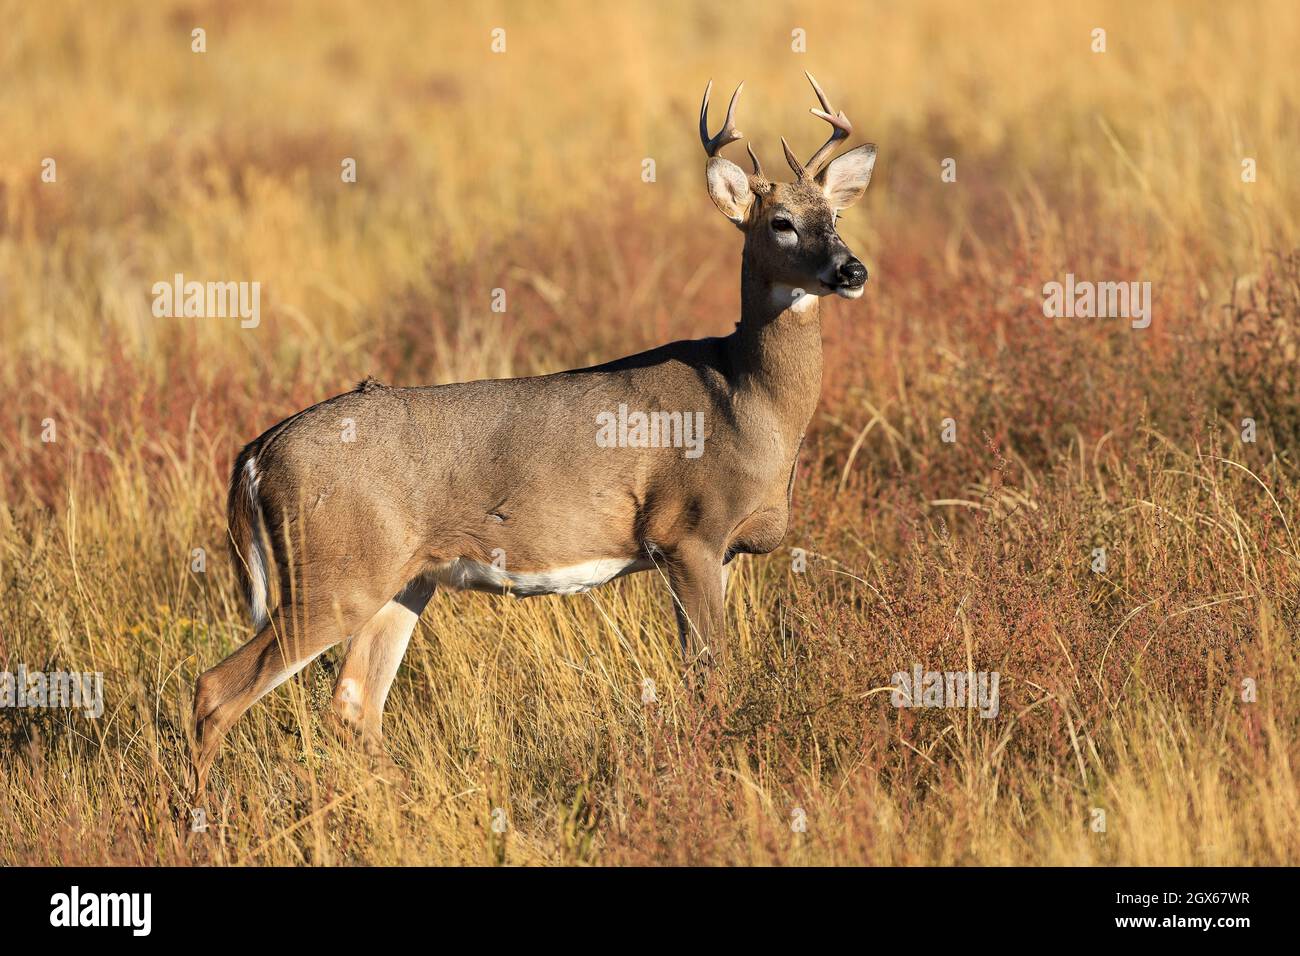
{"x":257,"y":566}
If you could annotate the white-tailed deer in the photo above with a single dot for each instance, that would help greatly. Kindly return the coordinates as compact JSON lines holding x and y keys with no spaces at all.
{"x":367,"y":502}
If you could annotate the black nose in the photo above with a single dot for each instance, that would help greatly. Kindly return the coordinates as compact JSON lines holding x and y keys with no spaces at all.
{"x":852,"y":272}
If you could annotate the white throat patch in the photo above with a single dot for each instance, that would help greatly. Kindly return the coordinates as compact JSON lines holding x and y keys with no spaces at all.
{"x":792,"y":298}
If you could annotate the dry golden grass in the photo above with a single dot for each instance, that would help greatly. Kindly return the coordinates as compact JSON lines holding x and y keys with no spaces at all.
{"x":1121,"y":691}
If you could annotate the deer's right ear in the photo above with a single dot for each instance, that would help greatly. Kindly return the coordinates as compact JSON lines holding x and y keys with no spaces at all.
{"x":729,"y":189}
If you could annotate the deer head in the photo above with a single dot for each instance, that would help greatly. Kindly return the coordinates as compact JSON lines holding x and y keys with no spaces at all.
{"x":790,"y":235}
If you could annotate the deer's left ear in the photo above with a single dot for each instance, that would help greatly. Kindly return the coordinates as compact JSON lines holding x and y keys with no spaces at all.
{"x":845,"y":179}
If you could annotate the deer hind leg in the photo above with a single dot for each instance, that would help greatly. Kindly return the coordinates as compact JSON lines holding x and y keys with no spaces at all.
{"x":288,"y":642}
{"x":372,"y":659}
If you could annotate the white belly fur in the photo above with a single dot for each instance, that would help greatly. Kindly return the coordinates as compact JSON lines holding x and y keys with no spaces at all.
{"x":464,"y":574}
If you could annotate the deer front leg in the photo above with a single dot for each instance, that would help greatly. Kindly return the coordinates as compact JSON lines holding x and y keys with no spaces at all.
{"x":695,"y":581}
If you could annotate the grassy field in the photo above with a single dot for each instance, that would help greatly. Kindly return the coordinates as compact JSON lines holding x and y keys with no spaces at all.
{"x":1128,"y":732}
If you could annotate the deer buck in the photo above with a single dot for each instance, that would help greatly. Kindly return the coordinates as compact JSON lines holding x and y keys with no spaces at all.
{"x":367,"y":502}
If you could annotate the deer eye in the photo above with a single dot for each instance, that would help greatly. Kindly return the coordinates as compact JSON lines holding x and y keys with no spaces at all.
{"x":781,"y":224}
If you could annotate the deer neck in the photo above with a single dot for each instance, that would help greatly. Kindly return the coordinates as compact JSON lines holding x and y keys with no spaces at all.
{"x":776,"y":350}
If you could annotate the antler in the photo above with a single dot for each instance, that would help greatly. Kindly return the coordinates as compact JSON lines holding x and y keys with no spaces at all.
{"x":728,"y":133}
{"x":789,"y":158}
{"x":841,"y":130}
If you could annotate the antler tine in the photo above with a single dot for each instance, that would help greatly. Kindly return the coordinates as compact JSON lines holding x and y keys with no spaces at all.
{"x":790,"y":158}
{"x":841,"y":130}
{"x":753,"y":158}
{"x":821,"y":96}
{"x":728,"y":133}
